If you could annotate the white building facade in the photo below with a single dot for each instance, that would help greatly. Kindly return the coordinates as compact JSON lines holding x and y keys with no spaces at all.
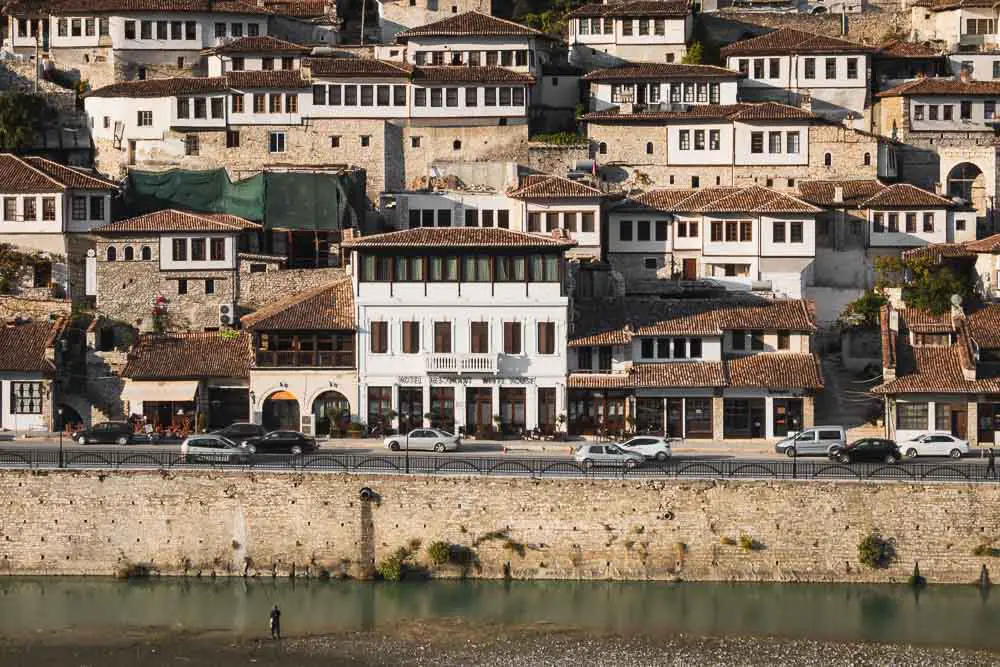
{"x":613,"y":33}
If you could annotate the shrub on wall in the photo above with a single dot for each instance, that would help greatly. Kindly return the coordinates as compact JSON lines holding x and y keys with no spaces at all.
{"x":876,"y":552}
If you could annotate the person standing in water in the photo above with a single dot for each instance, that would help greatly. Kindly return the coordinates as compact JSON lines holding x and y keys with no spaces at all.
{"x":275,"y":623}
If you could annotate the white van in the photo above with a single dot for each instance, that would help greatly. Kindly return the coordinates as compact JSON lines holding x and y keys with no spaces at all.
{"x":815,"y":441}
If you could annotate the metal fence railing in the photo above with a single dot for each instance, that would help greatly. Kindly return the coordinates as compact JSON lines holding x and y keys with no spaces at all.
{"x":21,"y":457}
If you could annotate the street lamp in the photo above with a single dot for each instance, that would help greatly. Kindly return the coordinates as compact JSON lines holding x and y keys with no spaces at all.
{"x":62,"y":427}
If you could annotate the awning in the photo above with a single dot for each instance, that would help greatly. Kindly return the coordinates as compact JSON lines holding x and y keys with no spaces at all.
{"x":159,"y":390}
{"x":282,"y":396}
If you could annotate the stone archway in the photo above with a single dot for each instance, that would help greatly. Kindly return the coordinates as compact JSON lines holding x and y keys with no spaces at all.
{"x":280,"y":410}
{"x":967,"y":181}
{"x":330,"y":407}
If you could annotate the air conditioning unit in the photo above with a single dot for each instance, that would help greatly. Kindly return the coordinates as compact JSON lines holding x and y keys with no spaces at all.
{"x":227,"y":314}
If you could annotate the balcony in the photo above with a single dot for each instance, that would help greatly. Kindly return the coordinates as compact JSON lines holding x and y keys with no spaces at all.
{"x":307,"y":359}
{"x":462,"y":363}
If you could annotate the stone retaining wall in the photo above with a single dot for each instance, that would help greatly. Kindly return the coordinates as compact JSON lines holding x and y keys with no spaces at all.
{"x":92,"y":522}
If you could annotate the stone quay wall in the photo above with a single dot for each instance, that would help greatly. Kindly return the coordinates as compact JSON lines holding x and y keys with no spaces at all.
{"x":231,"y":523}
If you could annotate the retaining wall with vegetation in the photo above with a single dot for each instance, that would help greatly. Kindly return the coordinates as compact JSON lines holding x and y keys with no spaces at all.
{"x":214,"y":523}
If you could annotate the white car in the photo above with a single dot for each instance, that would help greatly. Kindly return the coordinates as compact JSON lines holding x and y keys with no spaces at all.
{"x":210,"y":448}
{"x":424,"y":438}
{"x":935,"y":443}
{"x":607,"y":455}
{"x":650,"y":447}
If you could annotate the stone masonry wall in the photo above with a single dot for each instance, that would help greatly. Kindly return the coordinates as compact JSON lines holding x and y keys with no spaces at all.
{"x":259,"y":289}
{"x":870,"y":27}
{"x":549,"y":159}
{"x":91,"y":522}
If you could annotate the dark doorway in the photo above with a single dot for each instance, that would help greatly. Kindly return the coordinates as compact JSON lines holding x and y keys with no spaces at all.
{"x":787,"y":416}
{"x":690,"y":269}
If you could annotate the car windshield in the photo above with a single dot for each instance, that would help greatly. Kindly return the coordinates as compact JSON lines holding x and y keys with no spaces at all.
{"x":446,"y":434}
{"x":613,"y":449}
{"x":227,"y":442}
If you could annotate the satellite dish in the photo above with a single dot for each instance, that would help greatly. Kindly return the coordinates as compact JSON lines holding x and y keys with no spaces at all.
{"x":956,"y":300}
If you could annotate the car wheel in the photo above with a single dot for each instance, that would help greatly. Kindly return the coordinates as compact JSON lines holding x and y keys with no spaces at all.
{"x":91,"y":441}
{"x":661,"y":456}
{"x":911,"y":453}
{"x":844,"y":458}
{"x":790,"y":452}
{"x":296,"y":451}
{"x":439,"y":447}
{"x":890,"y":458}
{"x":394,"y":446}
{"x":630,"y":463}
{"x":123,"y":440}
{"x":955,"y":453}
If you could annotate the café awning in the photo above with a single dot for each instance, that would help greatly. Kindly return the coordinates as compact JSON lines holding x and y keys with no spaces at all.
{"x":160,"y":390}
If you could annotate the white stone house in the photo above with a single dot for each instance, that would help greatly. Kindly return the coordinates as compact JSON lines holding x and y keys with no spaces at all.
{"x":621,"y":31}
{"x":665,"y":86}
{"x":905,"y":216}
{"x":966,"y":26}
{"x":395,"y":16}
{"x":50,"y":208}
{"x":459,"y":325}
{"x":739,"y":367}
{"x":741,"y":238}
{"x":795,"y":67}
{"x":29,"y":358}
{"x":304,"y":373}
{"x":555,"y":203}
{"x":451,"y":208}
{"x":255,"y":54}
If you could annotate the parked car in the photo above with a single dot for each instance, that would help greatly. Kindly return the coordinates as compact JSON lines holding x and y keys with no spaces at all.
{"x":424,"y":438}
{"x":105,"y":433}
{"x":650,"y":447}
{"x":868,"y":449}
{"x":935,"y":443}
{"x":607,"y":455}
{"x":211,"y":448}
{"x":240,"y":431}
{"x":816,"y":441}
{"x":281,"y":442}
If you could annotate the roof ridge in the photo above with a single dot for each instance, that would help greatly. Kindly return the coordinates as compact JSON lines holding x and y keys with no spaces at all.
{"x":35,"y":169}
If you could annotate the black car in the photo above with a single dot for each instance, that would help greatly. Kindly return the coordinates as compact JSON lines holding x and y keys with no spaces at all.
{"x":106,"y":433}
{"x":869,"y":449}
{"x":240,"y":431}
{"x":282,"y":442}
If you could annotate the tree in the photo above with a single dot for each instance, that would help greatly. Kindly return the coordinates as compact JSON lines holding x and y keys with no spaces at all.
{"x":864,"y":311}
{"x":926,"y":284}
{"x":23,"y":116}
{"x":695,"y":54}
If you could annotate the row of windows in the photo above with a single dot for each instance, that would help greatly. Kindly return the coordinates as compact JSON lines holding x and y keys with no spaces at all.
{"x":26,"y":398}
{"x":236,"y":30}
{"x":83,"y":27}
{"x":742,"y":340}
{"x":178,"y":30}
{"x":479,"y":337}
{"x":183,"y":285}
{"x":504,"y":96}
{"x":507,"y":58}
{"x":684,"y":140}
{"x":585,"y":358}
{"x":670,"y":348}
{"x":689,"y":91}
{"x":792,"y":142}
{"x":348,"y":95}
{"x":947,"y":111}
{"x":642,"y":230}
{"x":128,"y":254}
{"x":464,"y":268}
{"x":568,"y":221}
{"x":238,"y":63}
{"x":980,"y":27}
{"x":198,"y":107}
{"x":216,"y":250}
{"x":909,"y":221}
{"x":773,"y":68}
{"x":473,"y":217}
{"x":29,"y":209}
{"x":596,"y":26}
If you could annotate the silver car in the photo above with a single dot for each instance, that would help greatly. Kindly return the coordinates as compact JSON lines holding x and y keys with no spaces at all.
{"x":607,"y":455}
{"x":816,"y":441}
{"x":424,"y":438}
{"x":208,"y":448}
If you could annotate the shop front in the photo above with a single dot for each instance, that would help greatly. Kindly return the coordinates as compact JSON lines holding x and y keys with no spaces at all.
{"x":674,"y":416}
{"x":164,"y":405}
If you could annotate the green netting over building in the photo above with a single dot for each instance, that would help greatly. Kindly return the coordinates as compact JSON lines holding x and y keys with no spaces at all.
{"x":286,"y":200}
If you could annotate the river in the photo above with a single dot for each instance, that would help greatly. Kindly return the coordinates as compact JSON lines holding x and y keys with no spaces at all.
{"x":70,"y":621}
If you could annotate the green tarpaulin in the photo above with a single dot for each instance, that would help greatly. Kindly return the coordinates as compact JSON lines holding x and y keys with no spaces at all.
{"x":294,"y":201}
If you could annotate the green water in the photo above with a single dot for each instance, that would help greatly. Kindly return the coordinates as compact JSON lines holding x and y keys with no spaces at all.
{"x":956,"y":616}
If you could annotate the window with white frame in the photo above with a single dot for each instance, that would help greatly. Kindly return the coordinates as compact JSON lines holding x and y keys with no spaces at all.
{"x":276,"y":142}
{"x":26,"y":398}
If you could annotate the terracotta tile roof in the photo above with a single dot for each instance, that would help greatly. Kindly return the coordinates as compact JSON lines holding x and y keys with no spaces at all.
{"x":600,"y":381}
{"x":23,"y":346}
{"x":775,"y":370}
{"x":71,"y":177}
{"x":657,"y":200}
{"x":821,"y":193}
{"x":703,"y":198}
{"x":634,"y":8}
{"x":984,"y":326}
{"x":163,"y":87}
{"x":261,"y":44}
{"x":943,"y":86}
{"x":464,"y":74}
{"x":679,"y":374}
{"x":906,"y":195}
{"x":791,"y":41}
{"x":938,"y":251}
{"x":898,"y":48}
{"x":189,"y":356}
{"x":328,"y":307}
{"x":661,"y":72}
{"x":359,"y":67}
{"x":470,"y":24}
{"x":172,"y":220}
{"x":35,"y":175}
{"x":990,"y":244}
{"x":921,"y":321}
{"x":933,"y":370}
{"x":458,"y":237}
{"x":552,"y":187}
{"x":944,"y":5}
{"x":279,"y":79}
{"x":759,"y":111}
{"x":200,"y":6}
{"x":756,"y":199}
{"x":300,"y":8}
{"x":617,"y":323}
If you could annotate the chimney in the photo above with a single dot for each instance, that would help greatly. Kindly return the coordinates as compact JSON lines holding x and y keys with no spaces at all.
{"x":964,"y":75}
{"x":957,"y":313}
{"x":347,"y":235}
{"x":939,"y":189}
{"x":806,"y":102}
{"x":838,"y":194}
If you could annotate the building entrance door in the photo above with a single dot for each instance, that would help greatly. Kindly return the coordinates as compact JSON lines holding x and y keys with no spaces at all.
{"x":690,"y":269}
{"x":478,"y":408}
{"x":675,"y":417}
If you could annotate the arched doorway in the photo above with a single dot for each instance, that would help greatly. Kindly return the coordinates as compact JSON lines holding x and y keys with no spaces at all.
{"x":281,"y":411}
{"x":331,"y":408}
{"x":967,"y":181}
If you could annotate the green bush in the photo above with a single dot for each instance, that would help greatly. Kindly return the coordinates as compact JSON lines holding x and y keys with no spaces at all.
{"x":439,"y":552}
{"x":876,"y":552}
{"x":560,"y":138}
{"x":393,"y":568}
{"x":727,"y":541}
{"x":986,"y":550}
{"x":748,"y":543}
